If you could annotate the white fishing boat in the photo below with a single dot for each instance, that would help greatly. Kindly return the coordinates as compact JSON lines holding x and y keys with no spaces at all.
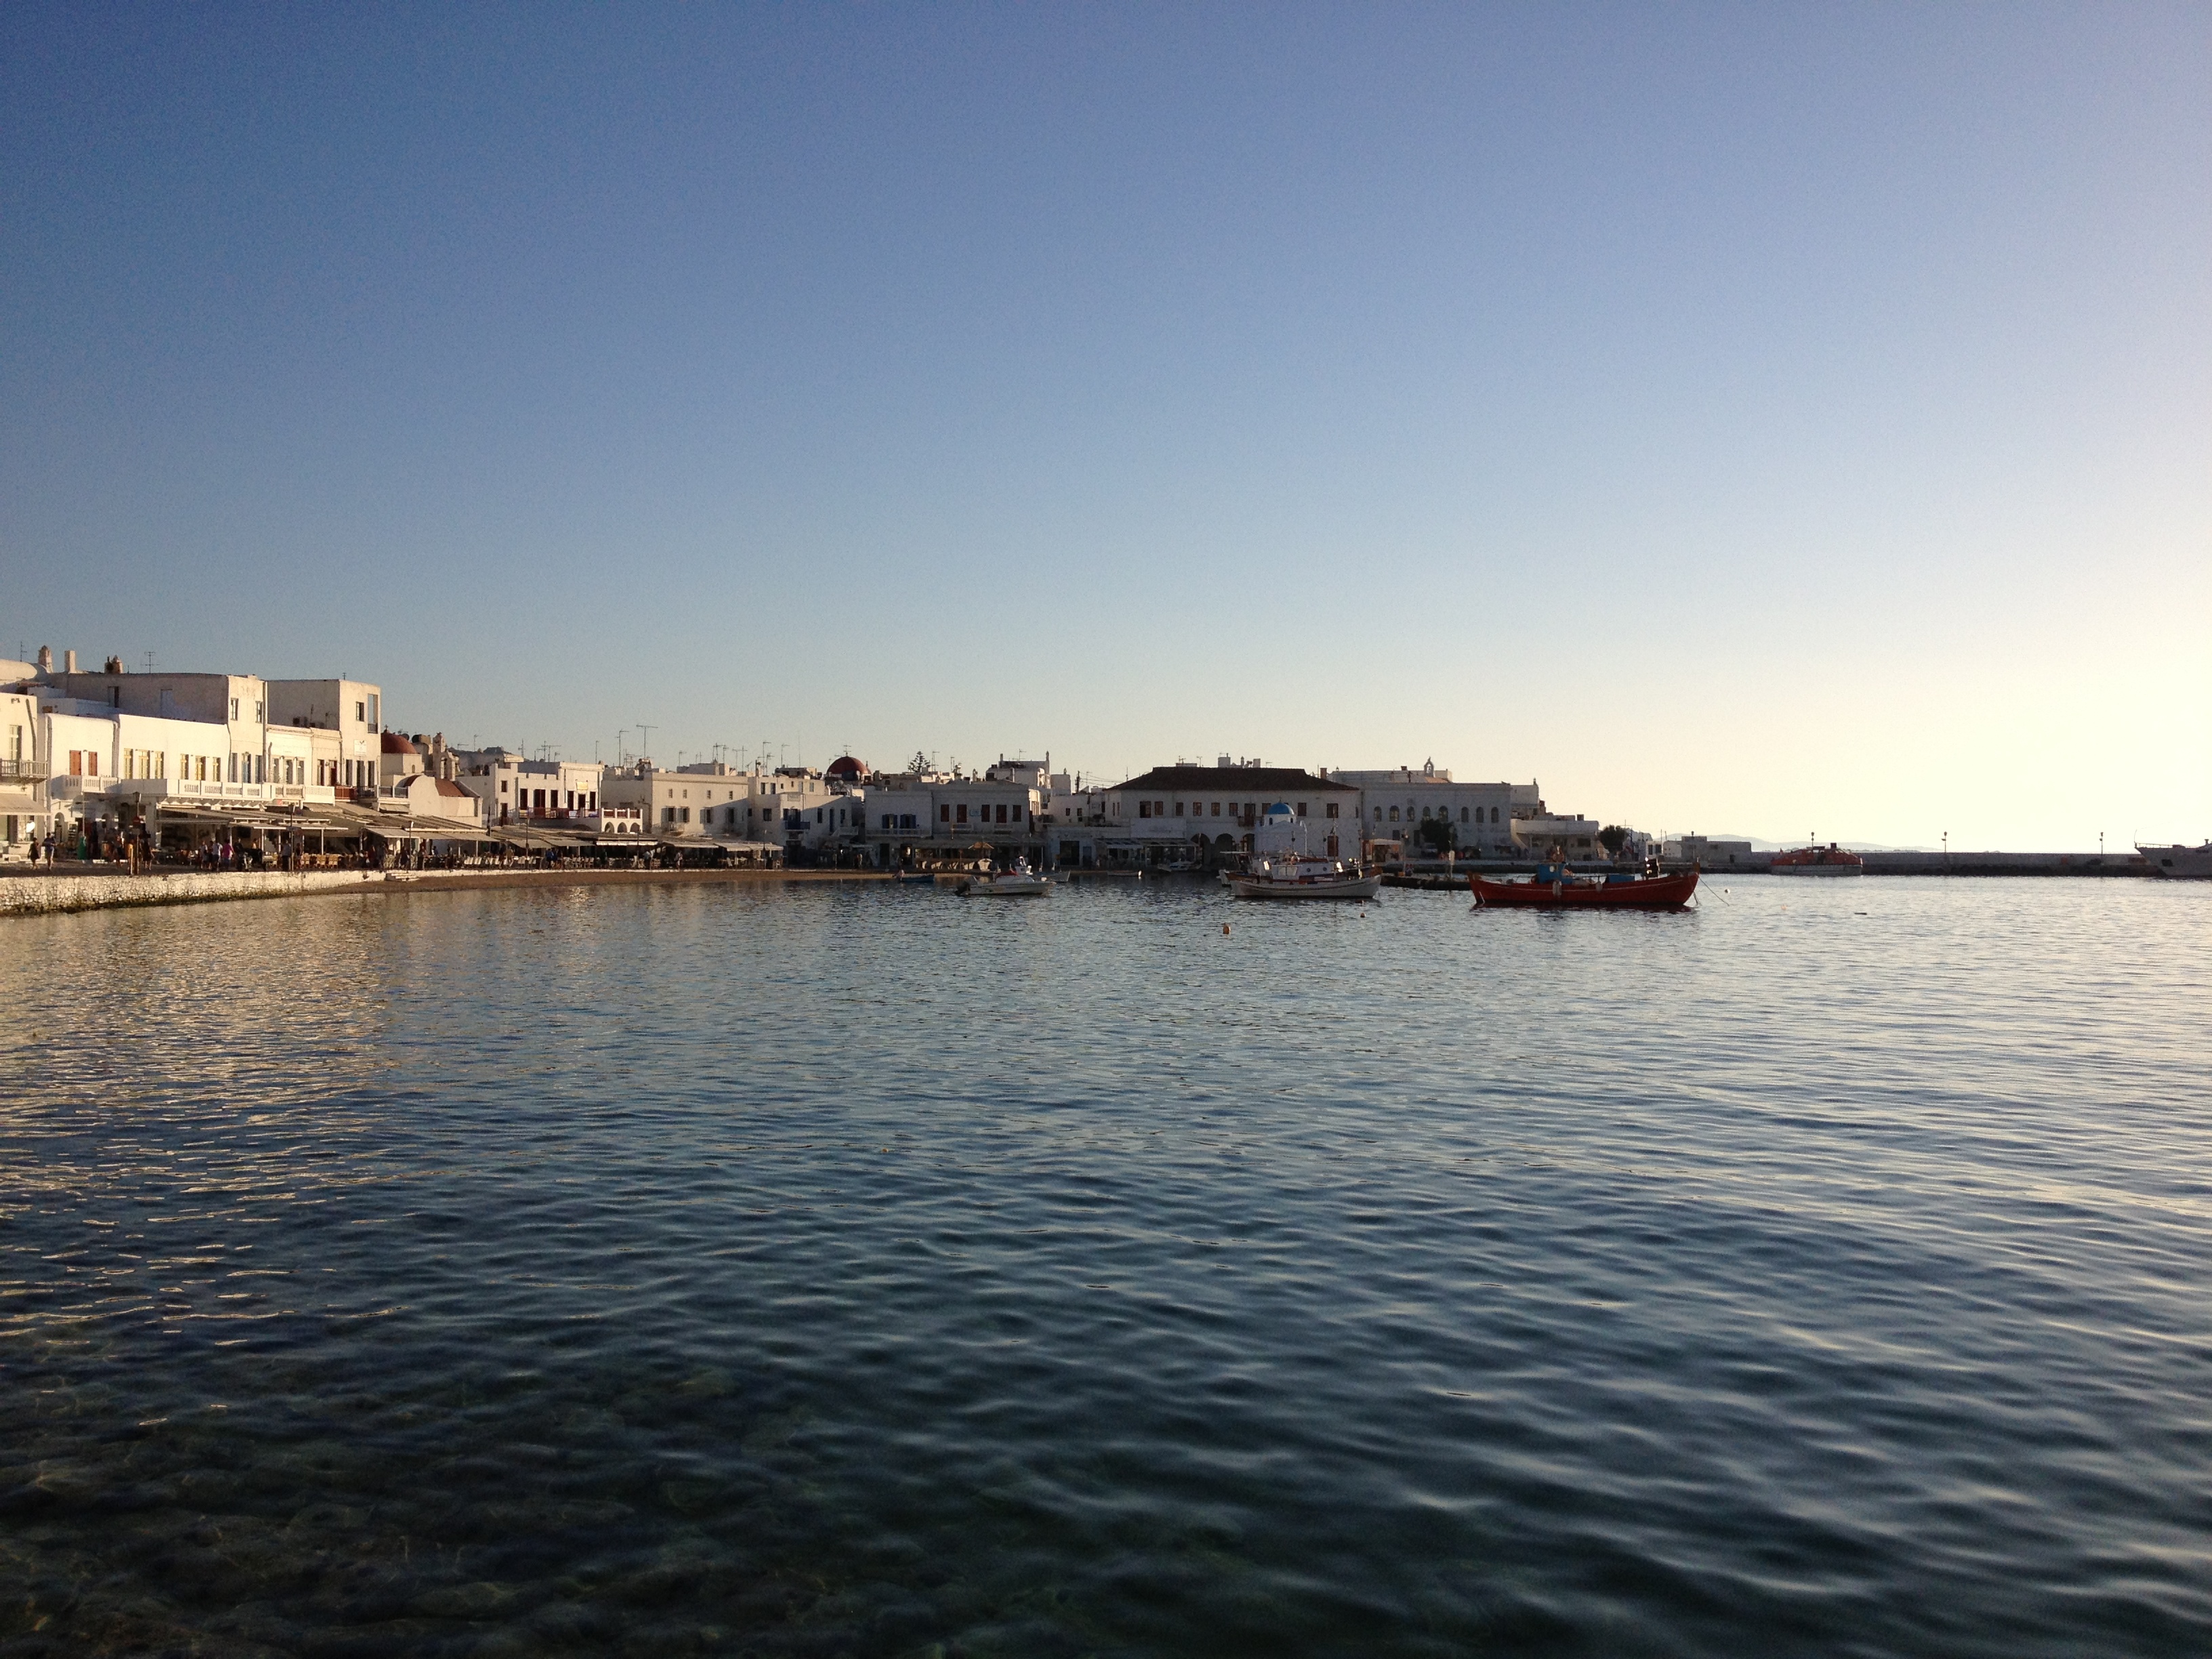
{"x":2182,"y":861}
{"x":1018,"y":880}
{"x":1296,"y":878}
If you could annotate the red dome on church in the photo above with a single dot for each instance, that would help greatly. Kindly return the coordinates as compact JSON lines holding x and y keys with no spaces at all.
{"x":846,"y":766}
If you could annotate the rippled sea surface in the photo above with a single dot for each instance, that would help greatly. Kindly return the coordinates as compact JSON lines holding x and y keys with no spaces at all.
{"x":861,"y":1270}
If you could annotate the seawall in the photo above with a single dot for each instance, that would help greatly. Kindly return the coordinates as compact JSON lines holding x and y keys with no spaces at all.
{"x":1429,"y":873}
{"x":46,"y":895}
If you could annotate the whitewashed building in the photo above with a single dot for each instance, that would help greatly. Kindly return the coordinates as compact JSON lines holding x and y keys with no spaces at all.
{"x":1540,"y":832}
{"x":516,"y":790}
{"x":22,"y":765}
{"x":1189,"y":814}
{"x":949,"y":818}
{"x":117,"y":744}
{"x":350,"y":716}
{"x":1394,"y":804}
{"x":767,"y":810}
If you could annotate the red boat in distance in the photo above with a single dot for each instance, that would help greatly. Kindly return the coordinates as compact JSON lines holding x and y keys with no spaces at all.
{"x":1562,"y":889}
{"x":1818,"y":860}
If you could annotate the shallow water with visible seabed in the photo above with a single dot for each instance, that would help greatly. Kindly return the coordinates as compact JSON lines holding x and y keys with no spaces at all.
{"x":856,"y":1270}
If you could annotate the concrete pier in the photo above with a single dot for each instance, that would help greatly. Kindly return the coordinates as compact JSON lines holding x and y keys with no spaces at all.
{"x":1431,"y":873}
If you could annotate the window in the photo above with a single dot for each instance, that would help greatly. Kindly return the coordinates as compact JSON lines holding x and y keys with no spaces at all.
{"x":233,"y":708}
{"x":1178,"y":812}
{"x":1216,"y":809}
{"x":92,"y":762}
{"x":960,"y":816}
{"x":1301,"y":809}
{"x":260,"y":713}
{"x":360,"y":712}
{"x":1331,"y":809}
{"x":943,"y":813}
{"x":1394,"y":814}
{"x":1144,"y":809}
{"x":1493,"y":815}
{"x":888,"y":824}
{"x":77,"y":762}
{"x":1462,"y":815}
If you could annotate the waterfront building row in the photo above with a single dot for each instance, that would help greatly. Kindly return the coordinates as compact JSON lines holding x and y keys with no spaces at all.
{"x":79,"y":748}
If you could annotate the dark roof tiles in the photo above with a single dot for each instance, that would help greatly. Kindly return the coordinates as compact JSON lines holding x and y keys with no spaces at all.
{"x":1252,"y":780}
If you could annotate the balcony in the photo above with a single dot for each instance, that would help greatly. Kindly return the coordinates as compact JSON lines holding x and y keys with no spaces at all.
{"x":21,"y":771}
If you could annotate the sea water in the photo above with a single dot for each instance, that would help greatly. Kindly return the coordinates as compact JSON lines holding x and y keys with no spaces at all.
{"x":863,"y":1270}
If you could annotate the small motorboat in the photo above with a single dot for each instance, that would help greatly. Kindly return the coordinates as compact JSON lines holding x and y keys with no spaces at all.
{"x":1305,"y":879}
{"x":1819,"y":860}
{"x":1018,"y":880}
{"x":1554,"y":886}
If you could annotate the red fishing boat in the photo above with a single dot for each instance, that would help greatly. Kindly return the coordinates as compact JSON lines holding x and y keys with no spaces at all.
{"x":1556,"y":887}
{"x":1819,"y":860}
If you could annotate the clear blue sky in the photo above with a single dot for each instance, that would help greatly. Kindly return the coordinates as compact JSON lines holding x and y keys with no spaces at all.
{"x":1763,"y":418}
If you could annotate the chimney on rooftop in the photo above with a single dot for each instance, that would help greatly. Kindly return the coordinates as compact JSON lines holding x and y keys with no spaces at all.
{"x":69,"y":662}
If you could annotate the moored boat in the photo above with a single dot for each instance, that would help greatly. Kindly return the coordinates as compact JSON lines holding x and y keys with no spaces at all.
{"x":1817,"y":861}
{"x":1017,"y":881}
{"x":2183,"y":862}
{"x":1296,"y":878}
{"x":1556,"y":887}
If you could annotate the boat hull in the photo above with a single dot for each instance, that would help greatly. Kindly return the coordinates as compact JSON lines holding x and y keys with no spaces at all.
{"x":1819,"y":869}
{"x":1019,"y":887}
{"x":1652,"y":893}
{"x":2179,"y":863}
{"x":1351,"y":887}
